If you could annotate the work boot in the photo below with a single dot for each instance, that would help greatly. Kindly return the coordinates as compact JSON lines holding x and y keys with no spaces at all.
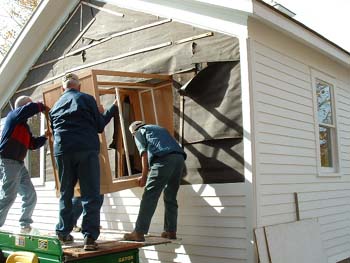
{"x":90,"y":244}
{"x":65,"y":240}
{"x":76,"y":228}
{"x":169,"y":235}
{"x":134,"y":236}
{"x":25,"y":229}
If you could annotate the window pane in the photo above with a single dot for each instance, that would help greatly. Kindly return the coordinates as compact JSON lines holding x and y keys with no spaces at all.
{"x":326,"y":147}
{"x":33,"y":161}
{"x":324,"y":102}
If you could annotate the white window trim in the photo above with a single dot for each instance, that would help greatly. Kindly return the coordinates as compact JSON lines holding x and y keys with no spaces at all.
{"x":336,"y":170}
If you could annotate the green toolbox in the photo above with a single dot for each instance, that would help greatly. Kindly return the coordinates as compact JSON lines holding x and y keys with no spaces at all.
{"x":49,"y":250}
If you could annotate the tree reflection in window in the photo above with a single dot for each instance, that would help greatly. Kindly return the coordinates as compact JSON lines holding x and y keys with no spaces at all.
{"x":326,"y":147}
{"x":324,"y":102}
{"x":325,"y":118}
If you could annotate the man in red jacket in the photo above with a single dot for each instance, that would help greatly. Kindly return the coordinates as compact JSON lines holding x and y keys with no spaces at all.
{"x":16,"y":139}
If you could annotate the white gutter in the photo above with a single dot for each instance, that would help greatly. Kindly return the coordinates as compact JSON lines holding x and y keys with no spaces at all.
{"x":31,"y":42}
{"x":300,"y":32}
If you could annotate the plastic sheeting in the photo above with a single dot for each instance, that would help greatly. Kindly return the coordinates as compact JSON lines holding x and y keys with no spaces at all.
{"x":212,"y":111}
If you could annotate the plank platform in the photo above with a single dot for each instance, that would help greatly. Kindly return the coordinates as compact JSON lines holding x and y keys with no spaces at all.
{"x":76,"y":250}
{"x":104,"y":247}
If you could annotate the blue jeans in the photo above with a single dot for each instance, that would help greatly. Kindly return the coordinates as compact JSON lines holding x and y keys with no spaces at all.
{"x":15,"y":179}
{"x":165,"y":174}
{"x":85,"y":167}
{"x":78,"y":208}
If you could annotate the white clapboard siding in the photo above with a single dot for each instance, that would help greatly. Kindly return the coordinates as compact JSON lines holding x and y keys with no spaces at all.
{"x":212,"y":221}
{"x":332,"y":208}
{"x":286,"y":160}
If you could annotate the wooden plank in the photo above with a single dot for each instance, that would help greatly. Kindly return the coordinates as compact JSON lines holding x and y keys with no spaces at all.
{"x":130,"y":74}
{"x":103,"y":9}
{"x":63,"y":27}
{"x":103,"y":249}
{"x":261,"y":244}
{"x":76,"y":249}
{"x":188,"y":39}
{"x":125,"y":84}
{"x":89,"y":85}
{"x":101,"y":61}
{"x":295,"y":242}
{"x":297,"y":210}
{"x":164,"y":109}
{"x":82,"y":33}
{"x":122,"y":184}
{"x":95,"y":43}
{"x":50,"y":97}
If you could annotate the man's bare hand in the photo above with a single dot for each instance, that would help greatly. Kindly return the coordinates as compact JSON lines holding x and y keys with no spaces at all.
{"x":142,"y":181}
{"x":101,"y":109}
{"x":47,"y":133}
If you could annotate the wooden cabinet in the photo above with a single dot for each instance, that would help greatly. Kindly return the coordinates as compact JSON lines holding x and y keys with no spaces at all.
{"x":141,"y":96}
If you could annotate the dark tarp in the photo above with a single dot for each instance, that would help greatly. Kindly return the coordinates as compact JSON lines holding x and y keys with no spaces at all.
{"x":212,"y":111}
{"x":212,"y":133}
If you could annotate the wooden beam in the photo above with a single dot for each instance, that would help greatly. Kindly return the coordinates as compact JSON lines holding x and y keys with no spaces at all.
{"x":63,"y":27}
{"x":82,"y":33}
{"x":297,"y":211}
{"x":124,"y":84}
{"x":130,"y":74}
{"x":164,"y":84}
{"x":74,"y":52}
{"x":184,"y":40}
{"x":103,"y":9}
{"x":89,"y":65}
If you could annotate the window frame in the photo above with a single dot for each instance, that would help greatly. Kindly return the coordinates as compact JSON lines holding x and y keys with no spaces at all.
{"x":335,"y":170}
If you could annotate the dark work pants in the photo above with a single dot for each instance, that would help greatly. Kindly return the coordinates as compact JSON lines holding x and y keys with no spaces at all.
{"x":165,"y":174}
{"x":85,"y":167}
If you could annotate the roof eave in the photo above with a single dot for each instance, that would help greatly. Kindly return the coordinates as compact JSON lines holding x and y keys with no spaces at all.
{"x":30,"y":44}
{"x":282,"y":22}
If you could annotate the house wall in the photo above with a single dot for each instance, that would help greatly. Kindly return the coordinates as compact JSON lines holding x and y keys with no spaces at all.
{"x":285,"y":137}
{"x":214,"y":219}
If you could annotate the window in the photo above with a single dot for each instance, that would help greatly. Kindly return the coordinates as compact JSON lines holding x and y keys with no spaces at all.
{"x":328,"y":147}
{"x":35,"y":159}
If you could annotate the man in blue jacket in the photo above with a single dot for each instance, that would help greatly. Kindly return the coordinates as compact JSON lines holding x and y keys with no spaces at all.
{"x":76,"y":121}
{"x":162,"y":164}
{"x":16,"y":139}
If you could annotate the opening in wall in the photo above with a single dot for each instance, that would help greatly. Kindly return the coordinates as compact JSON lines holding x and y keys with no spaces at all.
{"x":35,"y":159}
